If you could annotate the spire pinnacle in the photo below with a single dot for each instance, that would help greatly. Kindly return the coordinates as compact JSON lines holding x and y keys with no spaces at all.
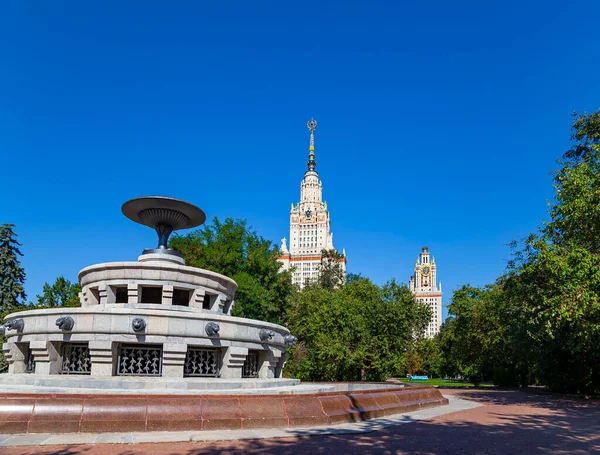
{"x":312,"y":125}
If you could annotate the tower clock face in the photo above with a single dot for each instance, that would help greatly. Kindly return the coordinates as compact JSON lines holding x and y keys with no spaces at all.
{"x":426,"y":270}
{"x":308,"y":214}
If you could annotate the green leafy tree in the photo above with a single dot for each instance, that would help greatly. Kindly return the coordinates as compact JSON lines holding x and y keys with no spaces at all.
{"x":431,"y":357}
{"x":12,"y":274}
{"x":485,"y":336}
{"x":467,"y":312}
{"x":331,"y":272}
{"x":358,"y":332}
{"x":575,"y":213}
{"x":541,"y":321}
{"x":62,"y":293}
{"x":352,"y":278}
{"x":233,"y":249}
{"x":556,"y":277}
{"x":559,"y":289}
{"x":413,"y":362}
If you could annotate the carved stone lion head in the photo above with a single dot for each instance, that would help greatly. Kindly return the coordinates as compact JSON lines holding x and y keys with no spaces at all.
{"x":290,"y":340}
{"x":65,"y":323}
{"x":138,"y":325}
{"x":266,"y":334}
{"x":212,"y":329}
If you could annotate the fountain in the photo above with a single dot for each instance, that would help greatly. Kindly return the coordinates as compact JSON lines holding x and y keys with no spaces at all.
{"x":156,"y":339}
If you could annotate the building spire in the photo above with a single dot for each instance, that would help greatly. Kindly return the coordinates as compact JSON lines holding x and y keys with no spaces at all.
{"x":312,"y":125}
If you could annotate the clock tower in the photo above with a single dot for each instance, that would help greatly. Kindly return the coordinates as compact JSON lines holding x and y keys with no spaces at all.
{"x":310,"y":225}
{"x":423,"y":284}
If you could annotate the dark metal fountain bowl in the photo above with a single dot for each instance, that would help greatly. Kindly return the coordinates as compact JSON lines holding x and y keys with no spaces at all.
{"x":154,"y":211}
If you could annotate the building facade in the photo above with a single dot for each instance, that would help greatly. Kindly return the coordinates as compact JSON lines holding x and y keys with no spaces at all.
{"x":310,"y":226}
{"x":423,"y":284}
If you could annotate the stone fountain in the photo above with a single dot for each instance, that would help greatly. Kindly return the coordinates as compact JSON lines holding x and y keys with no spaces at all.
{"x":152,"y":318}
{"x":154,"y":347}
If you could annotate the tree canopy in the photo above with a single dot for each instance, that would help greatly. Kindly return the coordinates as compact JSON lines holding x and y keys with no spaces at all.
{"x":331,"y":274}
{"x":541,"y":321}
{"x":235,"y":250}
{"x":62,"y":293}
{"x":358,"y":332}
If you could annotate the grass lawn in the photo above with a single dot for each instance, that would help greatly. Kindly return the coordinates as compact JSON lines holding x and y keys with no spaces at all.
{"x":447,"y":383}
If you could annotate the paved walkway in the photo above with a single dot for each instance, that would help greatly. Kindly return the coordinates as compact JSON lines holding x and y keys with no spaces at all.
{"x":506,"y":422}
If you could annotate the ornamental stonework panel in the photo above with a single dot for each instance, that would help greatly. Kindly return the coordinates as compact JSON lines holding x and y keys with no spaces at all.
{"x":29,"y":362}
{"x":139,"y":360}
{"x":75,"y":359}
{"x":250,"y":367}
{"x":202,"y":362}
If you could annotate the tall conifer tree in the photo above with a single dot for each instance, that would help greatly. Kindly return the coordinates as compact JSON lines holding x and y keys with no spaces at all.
{"x":12,"y":274}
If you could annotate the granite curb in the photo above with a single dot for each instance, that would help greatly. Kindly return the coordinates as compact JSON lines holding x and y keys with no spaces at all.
{"x":41,"y":439}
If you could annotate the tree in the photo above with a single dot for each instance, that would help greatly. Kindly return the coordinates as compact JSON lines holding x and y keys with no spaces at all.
{"x":62,"y":293}
{"x":575,"y":213}
{"x":12,"y":275}
{"x":233,"y":249}
{"x":353,"y":278}
{"x":431,"y":357}
{"x":485,"y":336}
{"x":331,"y":273}
{"x":557,"y":276}
{"x":413,"y":362}
{"x":358,"y":332}
{"x":559,"y":289}
{"x":541,"y":321}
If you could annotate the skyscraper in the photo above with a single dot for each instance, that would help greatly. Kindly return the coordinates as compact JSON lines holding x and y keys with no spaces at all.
{"x":310,"y":225}
{"x":423,"y":284}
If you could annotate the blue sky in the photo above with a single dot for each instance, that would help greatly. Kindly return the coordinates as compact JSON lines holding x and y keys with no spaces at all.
{"x":439,"y":122}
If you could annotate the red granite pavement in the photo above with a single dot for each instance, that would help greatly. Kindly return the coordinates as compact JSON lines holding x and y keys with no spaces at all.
{"x":508,"y":423}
